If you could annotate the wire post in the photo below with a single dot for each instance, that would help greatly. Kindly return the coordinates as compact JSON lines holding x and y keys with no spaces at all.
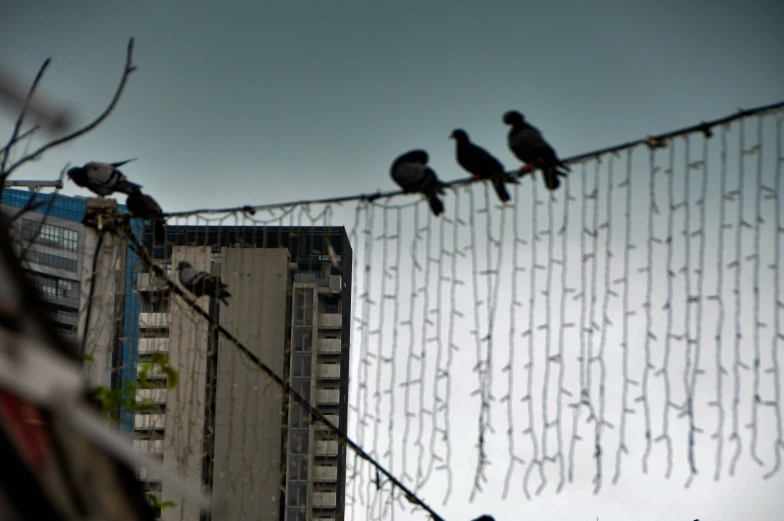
{"x":96,"y":328}
{"x":211,"y":391}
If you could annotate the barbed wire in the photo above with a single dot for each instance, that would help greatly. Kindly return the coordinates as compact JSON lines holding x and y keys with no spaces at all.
{"x":704,"y":127}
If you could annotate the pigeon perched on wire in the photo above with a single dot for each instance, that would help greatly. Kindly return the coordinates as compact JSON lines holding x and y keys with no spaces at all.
{"x":103,"y":179}
{"x":145,"y":207}
{"x":478,"y":161}
{"x":527,"y":143}
{"x":411,"y":173}
{"x":201,"y":283}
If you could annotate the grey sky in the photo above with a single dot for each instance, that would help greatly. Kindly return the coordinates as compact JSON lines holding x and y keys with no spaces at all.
{"x":284,"y":101}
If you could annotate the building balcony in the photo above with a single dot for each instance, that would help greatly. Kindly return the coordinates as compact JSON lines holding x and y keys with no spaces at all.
{"x":325,"y":448}
{"x":330,"y":320}
{"x":333,"y":418}
{"x":329,"y":345}
{"x":328,"y":396}
{"x":71,"y":302}
{"x":146,"y":474}
{"x":157,"y":396}
{"x":153,"y":345}
{"x":153,"y":320}
{"x":325,"y":474}
{"x":149,"y":421}
{"x":148,"y":446}
{"x":325,"y":499}
{"x":328,"y":371}
{"x":150,"y":282}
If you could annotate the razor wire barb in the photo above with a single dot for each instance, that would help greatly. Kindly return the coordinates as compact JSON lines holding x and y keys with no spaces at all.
{"x":314,"y":413}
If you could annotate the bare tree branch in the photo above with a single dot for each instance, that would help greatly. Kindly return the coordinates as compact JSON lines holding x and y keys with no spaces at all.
{"x":20,"y":137}
{"x":129,"y":68}
{"x":21,"y":117}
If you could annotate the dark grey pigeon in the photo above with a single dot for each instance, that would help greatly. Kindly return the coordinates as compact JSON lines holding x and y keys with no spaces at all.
{"x":201,"y":283}
{"x":528,"y":145}
{"x":145,"y":207}
{"x":103,"y":179}
{"x":411,"y":173}
{"x":478,"y":161}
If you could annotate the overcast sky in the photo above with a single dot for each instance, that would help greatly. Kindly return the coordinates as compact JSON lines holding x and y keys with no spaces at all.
{"x":233,"y":105}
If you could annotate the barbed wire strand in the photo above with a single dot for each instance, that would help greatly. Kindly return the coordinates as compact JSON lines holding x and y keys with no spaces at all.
{"x":438,"y":402}
{"x":509,"y":367}
{"x":704,"y":126}
{"x":422,"y":357}
{"x":720,"y":314}
{"x":479,"y":367}
{"x":653,"y":210}
{"x":627,"y":247}
{"x":313,"y":412}
{"x":412,"y":339}
{"x":664,"y":371}
{"x":737,"y":266}
{"x":357,"y":319}
{"x":379,"y":332}
{"x":546,"y":326}
{"x":565,"y":290}
{"x":778,"y":444}
{"x":583,"y":310}
{"x":393,"y":354}
{"x":457,"y":222}
{"x":688,"y":407}
{"x":756,"y":286}
{"x":593,"y":326}
{"x":601,"y":422}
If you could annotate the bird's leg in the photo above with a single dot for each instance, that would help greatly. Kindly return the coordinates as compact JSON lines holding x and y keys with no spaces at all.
{"x":526,"y":168}
{"x":475,"y":178}
{"x":409,"y":190}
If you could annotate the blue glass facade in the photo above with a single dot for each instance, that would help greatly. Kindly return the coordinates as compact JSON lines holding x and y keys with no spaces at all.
{"x":73,"y":209}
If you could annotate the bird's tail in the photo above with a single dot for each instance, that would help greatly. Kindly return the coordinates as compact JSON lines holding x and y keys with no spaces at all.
{"x":127,"y":187}
{"x":500,"y":189}
{"x":436,"y":205}
{"x":118,"y":164}
{"x":551,"y":180}
{"x":222,"y":296}
{"x":159,"y":231}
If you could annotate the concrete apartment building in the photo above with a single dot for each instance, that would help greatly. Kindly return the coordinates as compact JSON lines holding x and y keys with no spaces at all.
{"x":225,"y":424}
{"x":54,"y":261}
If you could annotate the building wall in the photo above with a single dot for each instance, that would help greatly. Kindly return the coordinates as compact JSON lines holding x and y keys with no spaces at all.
{"x":246,"y":483}
{"x":68,"y":212}
{"x":184,"y":419}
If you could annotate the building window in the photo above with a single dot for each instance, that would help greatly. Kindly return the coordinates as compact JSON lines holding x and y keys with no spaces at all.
{"x":303,"y":307}
{"x":50,"y":235}
{"x":332,"y":305}
{"x":53,"y":261}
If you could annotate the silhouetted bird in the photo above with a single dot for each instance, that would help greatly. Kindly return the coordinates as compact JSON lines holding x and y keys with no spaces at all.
{"x":478,"y":161}
{"x":527,"y":143}
{"x":411,"y":173}
{"x":102,"y":178}
{"x":485,"y":518}
{"x":145,"y":207}
{"x":201,"y":283}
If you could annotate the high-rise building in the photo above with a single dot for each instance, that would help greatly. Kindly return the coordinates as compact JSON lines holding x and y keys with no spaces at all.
{"x":225,"y":424}
{"x":52,"y":237}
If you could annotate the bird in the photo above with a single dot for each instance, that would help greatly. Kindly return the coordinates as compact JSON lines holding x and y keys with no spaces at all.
{"x":528,"y":145}
{"x":479,"y":162}
{"x":201,"y":283}
{"x":411,"y":173}
{"x":145,"y":207}
{"x":103,"y":178}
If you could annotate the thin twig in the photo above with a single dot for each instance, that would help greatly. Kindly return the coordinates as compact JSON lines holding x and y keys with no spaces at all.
{"x":21,"y":117}
{"x":27,"y":133}
{"x":129,"y":68}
